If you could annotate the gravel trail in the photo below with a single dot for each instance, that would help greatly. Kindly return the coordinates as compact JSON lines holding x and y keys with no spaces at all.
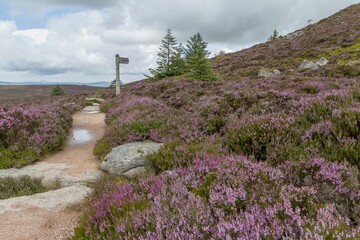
{"x":54,"y":214}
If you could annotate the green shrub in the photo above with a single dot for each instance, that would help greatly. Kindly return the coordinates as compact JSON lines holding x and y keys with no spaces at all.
{"x":356,"y":94}
{"x":309,"y":89}
{"x":102,"y":148}
{"x":57,"y":91}
{"x":142,"y":128}
{"x":215,"y":124}
{"x":314,"y":113}
{"x":16,"y":159}
{"x":15,"y":187}
{"x":343,"y":71}
{"x":181,"y":154}
{"x":259,"y":137}
{"x":105,"y":106}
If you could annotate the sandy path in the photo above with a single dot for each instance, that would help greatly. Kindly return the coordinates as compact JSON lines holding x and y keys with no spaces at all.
{"x":26,"y":221}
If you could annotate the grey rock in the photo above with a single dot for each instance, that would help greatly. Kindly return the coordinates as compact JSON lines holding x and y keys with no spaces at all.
{"x":65,"y":180}
{"x":308,"y":65}
{"x":51,"y":174}
{"x":322,"y":62}
{"x":265,"y":73}
{"x":128,"y":156}
{"x":56,"y":200}
{"x":276,"y":72}
{"x":135,"y":172}
{"x":91,"y":109}
{"x":294,"y":34}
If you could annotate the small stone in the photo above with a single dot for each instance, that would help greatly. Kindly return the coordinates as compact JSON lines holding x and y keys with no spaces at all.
{"x":276,"y":72}
{"x":322,"y":62}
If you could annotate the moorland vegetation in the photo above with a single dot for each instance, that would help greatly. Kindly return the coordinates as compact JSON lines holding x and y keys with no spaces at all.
{"x":244,"y":157}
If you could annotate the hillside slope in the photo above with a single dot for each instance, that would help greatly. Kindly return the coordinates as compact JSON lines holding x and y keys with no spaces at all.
{"x":337,"y":38}
{"x":243,"y":157}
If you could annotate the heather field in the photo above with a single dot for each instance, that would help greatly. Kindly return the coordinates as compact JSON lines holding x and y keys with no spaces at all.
{"x":31,"y":129}
{"x":251,"y":159}
{"x":245,"y":156}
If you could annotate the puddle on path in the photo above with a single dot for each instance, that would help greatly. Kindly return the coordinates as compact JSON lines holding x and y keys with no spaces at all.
{"x":91,"y":110}
{"x":80,"y":136}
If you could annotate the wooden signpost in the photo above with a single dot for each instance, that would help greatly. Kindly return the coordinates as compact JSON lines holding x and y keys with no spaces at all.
{"x":119,"y":60}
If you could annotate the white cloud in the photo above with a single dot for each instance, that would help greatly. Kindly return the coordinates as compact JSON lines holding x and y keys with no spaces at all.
{"x":7,"y":27}
{"x":38,"y":35}
{"x":81,"y":45}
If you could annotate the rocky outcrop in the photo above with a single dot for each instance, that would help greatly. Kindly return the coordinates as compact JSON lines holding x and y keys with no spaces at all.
{"x":129,"y":159}
{"x":91,"y":109}
{"x":313,"y":66}
{"x":56,"y":200}
{"x":51,"y":174}
{"x":308,"y":65}
{"x":322,"y":62}
{"x":266,"y":73}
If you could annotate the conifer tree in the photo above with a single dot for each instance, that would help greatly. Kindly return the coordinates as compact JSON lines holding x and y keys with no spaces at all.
{"x":178,"y":61}
{"x":197,"y":64}
{"x":273,"y":36}
{"x":166,"y":55}
{"x":57,"y":91}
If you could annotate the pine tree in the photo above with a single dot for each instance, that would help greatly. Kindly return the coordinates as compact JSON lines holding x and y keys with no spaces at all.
{"x":166,"y":55}
{"x":197,"y":64}
{"x":178,"y":61}
{"x":274,"y":36}
{"x":57,"y":91}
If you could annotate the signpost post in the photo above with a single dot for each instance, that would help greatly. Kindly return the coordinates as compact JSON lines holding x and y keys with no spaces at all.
{"x":119,"y":60}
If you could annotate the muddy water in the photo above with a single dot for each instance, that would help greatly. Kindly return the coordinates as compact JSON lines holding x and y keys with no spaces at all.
{"x":80,"y":136}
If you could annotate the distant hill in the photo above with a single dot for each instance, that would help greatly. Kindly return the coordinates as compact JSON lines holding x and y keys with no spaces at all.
{"x":94,"y":84}
{"x":16,"y":92}
{"x":337,"y":38}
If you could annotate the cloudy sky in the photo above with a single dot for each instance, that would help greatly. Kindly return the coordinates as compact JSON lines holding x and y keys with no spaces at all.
{"x":76,"y":40}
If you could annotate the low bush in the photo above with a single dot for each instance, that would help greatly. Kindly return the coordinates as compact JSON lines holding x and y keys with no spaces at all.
{"x":177,"y":154}
{"x":22,"y":186}
{"x":57,"y":91}
{"x":16,"y":158}
{"x":101,"y":149}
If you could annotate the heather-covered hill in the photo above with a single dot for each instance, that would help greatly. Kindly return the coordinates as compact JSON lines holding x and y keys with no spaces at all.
{"x":243,"y":157}
{"x":252,"y":159}
{"x":337,"y":38}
